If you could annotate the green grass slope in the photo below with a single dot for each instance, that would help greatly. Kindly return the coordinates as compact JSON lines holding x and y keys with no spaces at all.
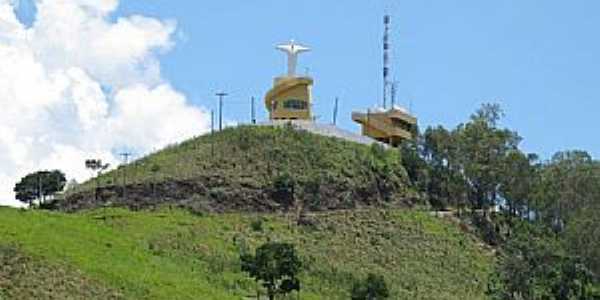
{"x":239,"y":169}
{"x":167,"y":254}
{"x":23,"y":277}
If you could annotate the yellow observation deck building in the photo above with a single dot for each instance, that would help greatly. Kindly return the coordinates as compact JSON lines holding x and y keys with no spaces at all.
{"x":391,"y":126}
{"x":291,"y":95}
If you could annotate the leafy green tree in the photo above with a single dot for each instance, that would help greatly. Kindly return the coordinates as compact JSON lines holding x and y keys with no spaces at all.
{"x":276,"y":266}
{"x":468,"y":163}
{"x":39,"y":186}
{"x":516,"y":186}
{"x":484,"y":148}
{"x":582,"y":236}
{"x":534,"y":265}
{"x":27,"y":190}
{"x":436,"y":152}
{"x":371,"y":288}
{"x":414,"y":164}
{"x":568,"y":183}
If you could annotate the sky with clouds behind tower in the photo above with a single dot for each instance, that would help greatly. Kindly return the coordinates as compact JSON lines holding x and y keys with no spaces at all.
{"x":91,"y":78}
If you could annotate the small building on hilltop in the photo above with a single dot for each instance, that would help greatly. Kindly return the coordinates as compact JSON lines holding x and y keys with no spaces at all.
{"x":392,"y":126}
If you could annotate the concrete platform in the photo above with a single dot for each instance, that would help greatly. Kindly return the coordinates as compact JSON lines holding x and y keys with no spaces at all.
{"x":325,"y":130}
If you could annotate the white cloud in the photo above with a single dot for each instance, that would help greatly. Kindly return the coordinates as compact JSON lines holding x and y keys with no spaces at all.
{"x":55,"y":108}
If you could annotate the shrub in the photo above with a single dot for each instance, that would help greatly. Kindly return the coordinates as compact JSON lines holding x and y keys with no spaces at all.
{"x":257,"y":225}
{"x":371,"y":288}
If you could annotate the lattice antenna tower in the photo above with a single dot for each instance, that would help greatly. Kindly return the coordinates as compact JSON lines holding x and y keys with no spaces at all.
{"x":387,"y":20}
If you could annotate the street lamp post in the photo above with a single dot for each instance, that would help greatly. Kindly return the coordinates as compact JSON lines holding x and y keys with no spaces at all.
{"x":221,"y":95}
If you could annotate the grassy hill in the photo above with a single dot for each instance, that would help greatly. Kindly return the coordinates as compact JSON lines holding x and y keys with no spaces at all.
{"x":174,"y":254}
{"x":254,"y":168}
{"x":340,"y":203}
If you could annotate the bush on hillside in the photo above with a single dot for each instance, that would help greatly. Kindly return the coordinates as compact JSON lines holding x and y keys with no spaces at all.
{"x":284,"y":188}
{"x":373,"y":287}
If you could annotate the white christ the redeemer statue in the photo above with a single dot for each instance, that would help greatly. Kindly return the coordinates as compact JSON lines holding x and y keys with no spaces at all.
{"x":292,"y":49}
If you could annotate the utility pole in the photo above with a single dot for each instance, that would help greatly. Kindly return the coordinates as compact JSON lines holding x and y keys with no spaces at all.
{"x":212,"y":121}
{"x":125,"y":155}
{"x":212,"y":133}
{"x":39,"y":180}
{"x":253,"y":114}
{"x":221,"y":95}
{"x":335,"y":111}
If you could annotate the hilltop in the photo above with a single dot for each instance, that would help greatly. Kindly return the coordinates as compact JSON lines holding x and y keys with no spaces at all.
{"x":173,"y":254}
{"x":254,"y":169}
{"x":189,"y":211}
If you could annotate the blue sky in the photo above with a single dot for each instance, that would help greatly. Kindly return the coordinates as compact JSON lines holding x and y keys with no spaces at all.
{"x":538,"y":59}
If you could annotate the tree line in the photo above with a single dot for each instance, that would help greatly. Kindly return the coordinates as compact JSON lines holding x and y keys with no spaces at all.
{"x":544,"y":215}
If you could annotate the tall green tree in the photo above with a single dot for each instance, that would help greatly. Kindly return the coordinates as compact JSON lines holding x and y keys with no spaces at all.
{"x":276,"y":266}
{"x":535,"y":265}
{"x":569,"y":182}
{"x":439,"y":152}
{"x":517,"y":182}
{"x":39,"y":186}
{"x":484,"y":149}
{"x":582,"y":236}
{"x":469,"y":163}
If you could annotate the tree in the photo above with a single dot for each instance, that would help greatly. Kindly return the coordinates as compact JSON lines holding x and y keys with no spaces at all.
{"x":276,"y":266}
{"x":568,"y":183}
{"x":439,"y":151}
{"x":535,"y":265}
{"x":27,"y":190}
{"x":484,"y":148}
{"x":96,"y":165}
{"x":517,"y":182}
{"x":414,"y":164}
{"x":39,"y":186}
{"x":582,"y":237}
{"x":371,"y":288}
{"x":468,"y":163}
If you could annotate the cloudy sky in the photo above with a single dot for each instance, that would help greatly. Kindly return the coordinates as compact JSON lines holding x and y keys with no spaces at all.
{"x":91,"y":78}
{"x":76,"y":83}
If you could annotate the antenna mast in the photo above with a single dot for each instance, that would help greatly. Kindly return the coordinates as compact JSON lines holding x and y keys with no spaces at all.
{"x":387,"y":19}
{"x":394,"y":91}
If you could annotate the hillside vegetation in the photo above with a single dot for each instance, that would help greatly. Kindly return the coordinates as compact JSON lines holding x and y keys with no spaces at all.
{"x":254,"y":168}
{"x":119,"y":254}
{"x":174,"y":224}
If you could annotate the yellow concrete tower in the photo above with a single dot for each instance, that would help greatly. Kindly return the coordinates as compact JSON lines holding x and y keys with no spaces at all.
{"x":291,"y":95}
